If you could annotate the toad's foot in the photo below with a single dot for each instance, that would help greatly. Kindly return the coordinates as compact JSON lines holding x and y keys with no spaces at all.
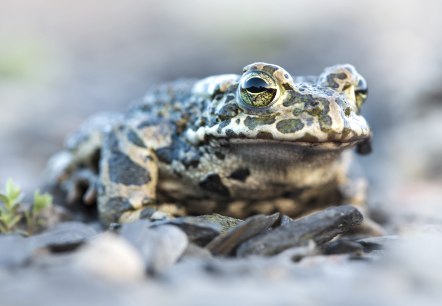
{"x":81,"y":186}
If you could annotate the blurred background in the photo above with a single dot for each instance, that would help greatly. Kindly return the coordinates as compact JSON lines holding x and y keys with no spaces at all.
{"x":62,"y":61}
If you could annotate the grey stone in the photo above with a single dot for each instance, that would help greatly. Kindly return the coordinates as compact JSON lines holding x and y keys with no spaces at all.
{"x":320,"y":227}
{"x":296,"y":254}
{"x":285,"y":220}
{"x":160,"y":246}
{"x":195,"y":251}
{"x":202,"y":229}
{"x":15,"y":251}
{"x":342,"y":246}
{"x":63,"y":237}
{"x":225,"y":243}
{"x":377,"y":243}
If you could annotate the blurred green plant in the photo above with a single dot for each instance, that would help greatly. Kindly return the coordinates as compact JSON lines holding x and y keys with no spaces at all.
{"x":15,"y":217}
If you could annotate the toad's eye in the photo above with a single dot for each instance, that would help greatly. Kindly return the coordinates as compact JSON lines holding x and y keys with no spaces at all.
{"x":361,"y":92}
{"x":258,"y":90}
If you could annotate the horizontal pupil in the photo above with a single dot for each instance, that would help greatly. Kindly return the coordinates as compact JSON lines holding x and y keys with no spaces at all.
{"x":256,"y":85}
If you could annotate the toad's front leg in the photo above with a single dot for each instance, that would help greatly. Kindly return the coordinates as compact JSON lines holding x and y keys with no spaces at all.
{"x":128,"y":177}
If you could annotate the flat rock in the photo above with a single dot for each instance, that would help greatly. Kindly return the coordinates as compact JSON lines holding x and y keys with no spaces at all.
{"x":160,"y":246}
{"x":320,"y":227}
{"x":225,"y":243}
{"x":195,"y":251}
{"x":203,"y":229}
{"x":65,"y":236}
{"x":285,"y":220}
{"x":342,"y":246}
{"x":377,"y":243}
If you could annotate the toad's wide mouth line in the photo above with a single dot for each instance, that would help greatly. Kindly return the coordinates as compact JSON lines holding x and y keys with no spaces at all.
{"x":296,"y":145}
{"x":326,"y":145}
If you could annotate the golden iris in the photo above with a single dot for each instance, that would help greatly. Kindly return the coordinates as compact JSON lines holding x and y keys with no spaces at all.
{"x":258,"y":90}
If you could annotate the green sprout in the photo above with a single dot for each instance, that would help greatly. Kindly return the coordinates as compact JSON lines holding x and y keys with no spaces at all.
{"x":15,"y":218}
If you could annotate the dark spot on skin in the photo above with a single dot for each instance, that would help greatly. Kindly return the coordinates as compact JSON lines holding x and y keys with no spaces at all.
{"x":313,"y":103}
{"x":230,"y":133}
{"x":193,"y":163}
{"x":289,"y":126}
{"x":220,"y":155}
{"x":181,"y":151}
{"x":222,"y":125}
{"x":294,"y":97}
{"x":148,"y":158}
{"x":165,"y":155}
{"x":331,"y":79}
{"x":347,"y":111}
{"x":270,"y":69}
{"x":286,"y":76}
{"x":325,"y":122}
{"x":310,"y":138}
{"x":116,"y":206}
{"x":253,"y":122}
{"x":125,"y":171}
{"x":229,"y":98}
{"x":218,"y":96}
{"x":297,"y":111}
{"x":341,"y":76}
{"x":319,"y":108}
{"x":237,"y":121}
{"x":213,"y":184}
{"x":135,"y":139}
{"x":112,"y":142}
{"x":240,"y":174}
{"x":287,"y":86}
{"x":228,"y":111}
{"x":346,"y":132}
{"x":264,"y":135}
{"x":340,"y":102}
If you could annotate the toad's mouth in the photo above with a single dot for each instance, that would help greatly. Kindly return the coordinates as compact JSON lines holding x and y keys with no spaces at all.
{"x":285,"y":150}
{"x":277,"y":154}
{"x":290,"y":145}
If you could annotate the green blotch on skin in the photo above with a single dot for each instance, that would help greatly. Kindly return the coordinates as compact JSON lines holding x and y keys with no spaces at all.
{"x":346,"y":132}
{"x":289,"y":126}
{"x":294,"y":97}
{"x":253,"y":122}
{"x":320,"y":112}
{"x":317,"y":111}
